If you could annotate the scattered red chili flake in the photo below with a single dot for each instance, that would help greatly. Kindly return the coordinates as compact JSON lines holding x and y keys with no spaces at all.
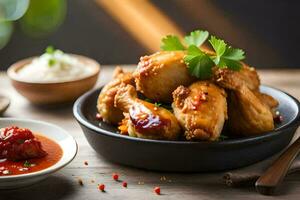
{"x":198,"y":100}
{"x":124,"y":184}
{"x":115,"y":176}
{"x":157,"y":190}
{"x":278,"y":118}
{"x":86,"y":163}
{"x":101,"y":187}
{"x":98,"y":116}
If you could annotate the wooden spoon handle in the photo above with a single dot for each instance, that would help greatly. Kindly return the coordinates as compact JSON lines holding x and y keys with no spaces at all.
{"x":267,"y":182}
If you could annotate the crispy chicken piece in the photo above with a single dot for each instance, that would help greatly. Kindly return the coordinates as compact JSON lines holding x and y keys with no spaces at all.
{"x":268,"y":101}
{"x":105,"y":104}
{"x":246,"y":76}
{"x":159,"y":74}
{"x":249,"y":111}
{"x":248,"y":115}
{"x":201,"y":110}
{"x":144,"y":119}
{"x":230,"y":79}
{"x":19,"y":144}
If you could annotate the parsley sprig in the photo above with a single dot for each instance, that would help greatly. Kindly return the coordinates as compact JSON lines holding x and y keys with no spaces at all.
{"x":200,"y":63}
{"x":196,"y":38}
{"x":171,"y":43}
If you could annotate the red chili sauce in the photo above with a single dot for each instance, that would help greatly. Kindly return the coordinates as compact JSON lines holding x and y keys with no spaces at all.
{"x":54,"y":154}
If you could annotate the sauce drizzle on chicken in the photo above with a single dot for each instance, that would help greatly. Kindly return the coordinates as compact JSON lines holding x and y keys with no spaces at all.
{"x":143,"y":119}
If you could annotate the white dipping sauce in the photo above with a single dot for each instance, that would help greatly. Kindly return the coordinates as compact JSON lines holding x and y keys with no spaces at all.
{"x":54,"y":67}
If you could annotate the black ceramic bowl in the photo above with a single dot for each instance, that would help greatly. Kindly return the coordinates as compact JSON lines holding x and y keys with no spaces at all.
{"x":184,"y":156}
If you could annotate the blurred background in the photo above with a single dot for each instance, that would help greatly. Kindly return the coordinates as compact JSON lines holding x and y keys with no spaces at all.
{"x":120,"y":31}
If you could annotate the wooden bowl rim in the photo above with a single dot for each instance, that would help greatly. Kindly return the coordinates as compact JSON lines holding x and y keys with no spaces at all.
{"x":13,"y":75}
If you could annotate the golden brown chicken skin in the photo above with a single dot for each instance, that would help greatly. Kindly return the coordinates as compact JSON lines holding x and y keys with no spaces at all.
{"x":246,"y":76}
{"x":159,"y":74}
{"x":105,"y":104}
{"x":201,"y":110}
{"x":249,"y":110}
{"x":230,"y":79}
{"x":144,"y":119}
{"x":248,"y":115}
{"x":268,"y":100}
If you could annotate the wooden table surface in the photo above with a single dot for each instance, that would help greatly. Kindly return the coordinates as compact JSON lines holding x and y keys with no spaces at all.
{"x":63,"y":185}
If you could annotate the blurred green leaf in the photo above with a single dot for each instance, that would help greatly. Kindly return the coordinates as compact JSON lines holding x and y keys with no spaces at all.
{"x":6,"y":29}
{"x":43,"y":17}
{"x":11,"y":10}
{"x":50,"y":50}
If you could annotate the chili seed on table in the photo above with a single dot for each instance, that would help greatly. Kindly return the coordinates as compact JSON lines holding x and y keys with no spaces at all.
{"x":124,"y":184}
{"x":115,"y":176}
{"x":101,"y":187}
{"x":157,"y":190}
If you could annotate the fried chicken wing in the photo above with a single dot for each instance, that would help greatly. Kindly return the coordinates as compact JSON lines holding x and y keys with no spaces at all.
{"x":249,"y":110}
{"x":159,"y":74}
{"x":201,"y":110}
{"x":144,"y":119}
{"x":246,"y":76}
{"x":105,"y":104}
{"x":268,"y":101}
{"x":248,"y":115}
{"x":230,"y":79}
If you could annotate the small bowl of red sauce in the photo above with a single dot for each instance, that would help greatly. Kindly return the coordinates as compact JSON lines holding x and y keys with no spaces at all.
{"x":32,"y":150}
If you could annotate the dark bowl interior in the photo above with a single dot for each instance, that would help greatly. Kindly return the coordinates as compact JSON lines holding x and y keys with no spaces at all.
{"x":185,"y":156}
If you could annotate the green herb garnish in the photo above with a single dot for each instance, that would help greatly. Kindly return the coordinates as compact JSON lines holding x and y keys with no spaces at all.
{"x":156,"y":104}
{"x":171,"y":43}
{"x":50,"y":50}
{"x":51,"y":62}
{"x":148,"y":100}
{"x":222,"y":137}
{"x":197,"y":38}
{"x":200,"y":63}
{"x":226,"y":56}
{"x":27,"y":164}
